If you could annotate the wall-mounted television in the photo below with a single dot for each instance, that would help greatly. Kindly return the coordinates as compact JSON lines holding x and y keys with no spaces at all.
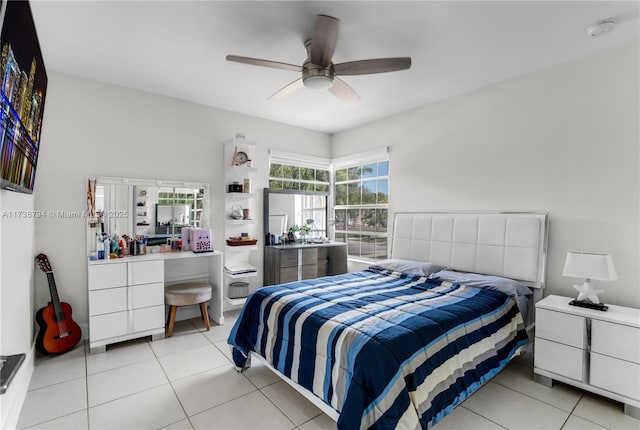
{"x":24,"y":85}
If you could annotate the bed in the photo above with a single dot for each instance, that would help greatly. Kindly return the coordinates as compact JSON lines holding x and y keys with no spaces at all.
{"x":386,"y":348}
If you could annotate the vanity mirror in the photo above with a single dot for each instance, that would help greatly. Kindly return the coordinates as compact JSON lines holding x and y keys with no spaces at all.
{"x":284,"y":209}
{"x":156,"y":209}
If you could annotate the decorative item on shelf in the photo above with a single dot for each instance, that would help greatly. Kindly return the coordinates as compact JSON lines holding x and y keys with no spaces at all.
{"x":236,"y":212}
{"x":238,"y":290}
{"x":235,"y":187}
{"x":239,"y":157}
{"x":589,"y":266}
{"x":247,"y":185}
{"x":241,"y":241}
{"x":245,"y":213}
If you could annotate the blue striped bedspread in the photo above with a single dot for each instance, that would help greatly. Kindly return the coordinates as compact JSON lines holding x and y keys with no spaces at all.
{"x":384,"y":349}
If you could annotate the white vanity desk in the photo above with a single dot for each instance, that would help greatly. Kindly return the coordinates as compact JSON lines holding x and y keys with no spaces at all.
{"x":126,"y":295}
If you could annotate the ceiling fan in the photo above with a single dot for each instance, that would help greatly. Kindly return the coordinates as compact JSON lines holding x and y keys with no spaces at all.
{"x":319,"y":71}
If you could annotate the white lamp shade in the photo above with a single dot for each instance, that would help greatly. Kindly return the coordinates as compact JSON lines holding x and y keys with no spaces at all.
{"x":590,"y":266}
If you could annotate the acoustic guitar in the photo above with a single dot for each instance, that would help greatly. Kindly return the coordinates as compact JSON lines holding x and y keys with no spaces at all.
{"x":58,"y":331}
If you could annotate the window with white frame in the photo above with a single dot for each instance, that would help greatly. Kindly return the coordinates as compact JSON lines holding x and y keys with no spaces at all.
{"x":361,"y":204}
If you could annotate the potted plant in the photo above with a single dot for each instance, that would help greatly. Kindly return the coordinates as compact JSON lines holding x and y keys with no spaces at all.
{"x":299,"y":231}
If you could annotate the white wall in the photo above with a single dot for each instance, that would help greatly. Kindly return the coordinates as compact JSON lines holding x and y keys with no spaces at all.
{"x":94,"y":129}
{"x":563,"y":140}
{"x":16,"y":296}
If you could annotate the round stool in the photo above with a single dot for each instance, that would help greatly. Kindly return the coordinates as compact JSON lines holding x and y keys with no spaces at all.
{"x":187,"y":293}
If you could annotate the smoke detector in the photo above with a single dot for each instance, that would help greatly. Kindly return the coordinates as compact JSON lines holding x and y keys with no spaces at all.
{"x":601,"y":27}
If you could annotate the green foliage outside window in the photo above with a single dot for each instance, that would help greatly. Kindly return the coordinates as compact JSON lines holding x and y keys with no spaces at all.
{"x":291,"y":177}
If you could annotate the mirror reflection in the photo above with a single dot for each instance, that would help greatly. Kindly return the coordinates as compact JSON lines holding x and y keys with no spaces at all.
{"x":302,"y":212}
{"x":141,"y":208}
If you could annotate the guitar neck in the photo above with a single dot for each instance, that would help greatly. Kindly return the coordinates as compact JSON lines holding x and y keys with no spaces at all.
{"x":55,"y":300}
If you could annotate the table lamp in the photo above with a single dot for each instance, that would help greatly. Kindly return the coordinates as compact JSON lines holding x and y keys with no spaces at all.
{"x":589,"y":266}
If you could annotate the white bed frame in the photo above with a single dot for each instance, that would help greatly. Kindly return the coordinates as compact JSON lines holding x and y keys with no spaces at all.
{"x":508,"y":244}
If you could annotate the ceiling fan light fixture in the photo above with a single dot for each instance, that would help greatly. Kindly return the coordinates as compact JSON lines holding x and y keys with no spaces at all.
{"x":318,"y":82}
{"x":316,"y":77}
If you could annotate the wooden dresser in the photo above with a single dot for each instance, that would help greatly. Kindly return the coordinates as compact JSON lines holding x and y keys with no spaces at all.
{"x":289,"y":263}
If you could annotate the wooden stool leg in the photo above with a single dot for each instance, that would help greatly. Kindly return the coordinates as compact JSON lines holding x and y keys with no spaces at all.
{"x":205,"y":315}
{"x":172,"y":319}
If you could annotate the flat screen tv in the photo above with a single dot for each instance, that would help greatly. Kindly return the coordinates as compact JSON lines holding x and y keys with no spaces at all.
{"x":24,"y":85}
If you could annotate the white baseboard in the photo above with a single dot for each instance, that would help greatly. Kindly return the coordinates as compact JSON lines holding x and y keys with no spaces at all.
{"x":12,"y":400}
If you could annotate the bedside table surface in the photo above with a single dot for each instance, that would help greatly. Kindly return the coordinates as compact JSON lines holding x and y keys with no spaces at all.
{"x":617,"y":314}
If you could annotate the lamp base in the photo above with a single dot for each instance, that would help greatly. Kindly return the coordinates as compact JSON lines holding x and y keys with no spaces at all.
{"x":590,"y":305}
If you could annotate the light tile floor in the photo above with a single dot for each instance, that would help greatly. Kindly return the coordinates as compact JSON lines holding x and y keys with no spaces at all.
{"x":188,"y":382}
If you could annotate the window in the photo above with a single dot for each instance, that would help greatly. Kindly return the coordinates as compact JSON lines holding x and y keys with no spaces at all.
{"x":361,"y":195}
{"x":296,"y":176}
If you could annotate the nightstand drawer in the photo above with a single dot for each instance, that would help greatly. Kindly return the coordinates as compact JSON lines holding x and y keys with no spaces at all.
{"x":615,"y":375}
{"x":615,"y":340}
{"x":560,"y":359}
{"x":561,"y":327}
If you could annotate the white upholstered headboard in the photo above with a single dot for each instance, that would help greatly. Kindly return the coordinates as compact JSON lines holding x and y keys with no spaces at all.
{"x":512,"y":245}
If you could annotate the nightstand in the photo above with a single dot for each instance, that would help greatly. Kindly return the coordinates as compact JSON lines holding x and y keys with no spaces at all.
{"x":589,"y":349}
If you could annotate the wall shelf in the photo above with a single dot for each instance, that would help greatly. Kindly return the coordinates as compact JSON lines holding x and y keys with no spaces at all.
{"x":236,"y":302}
{"x":240,"y":256}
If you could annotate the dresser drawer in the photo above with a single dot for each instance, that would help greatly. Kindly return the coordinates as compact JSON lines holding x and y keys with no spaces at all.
{"x":323,"y":253}
{"x":618,"y":376}
{"x":323,"y":268}
{"x":309,"y":255}
{"x":146,"y":272}
{"x":309,"y":271}
{"x":560,"y":359}
{"x":108,"y":300}
{"x":288,"y":274}
{"x":148,"y":318}
{"x":561,"y":327}
{"x":615,"y":340}
{"x":289,"y":258}
{"x":145,"y":295}
{"x":107,"y":276}
{"x":108,"y":325}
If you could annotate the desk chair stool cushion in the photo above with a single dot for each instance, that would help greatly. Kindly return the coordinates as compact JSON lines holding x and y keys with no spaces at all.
{"x":187,"y":293}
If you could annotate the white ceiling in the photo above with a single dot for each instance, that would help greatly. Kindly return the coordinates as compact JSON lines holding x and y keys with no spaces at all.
{"x":178,"y":49}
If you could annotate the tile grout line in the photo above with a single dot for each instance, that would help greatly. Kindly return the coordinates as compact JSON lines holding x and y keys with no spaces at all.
{"x":164,"y":372}
{"x":534,"y":398}
{"x":480,"y":415}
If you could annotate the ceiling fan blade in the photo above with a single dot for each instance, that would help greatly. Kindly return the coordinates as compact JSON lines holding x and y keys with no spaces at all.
{"x":343,"y":91}
{"x":324,"y":39}
{"x":376,"y":65}
{"x":287,"y":90}
{"x":264,"y":63}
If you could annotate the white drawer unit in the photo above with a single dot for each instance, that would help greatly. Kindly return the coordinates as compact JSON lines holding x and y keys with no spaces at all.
{"x":107,"y":276}
{"x":590,"y":349}
{"x":126,"y":301}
